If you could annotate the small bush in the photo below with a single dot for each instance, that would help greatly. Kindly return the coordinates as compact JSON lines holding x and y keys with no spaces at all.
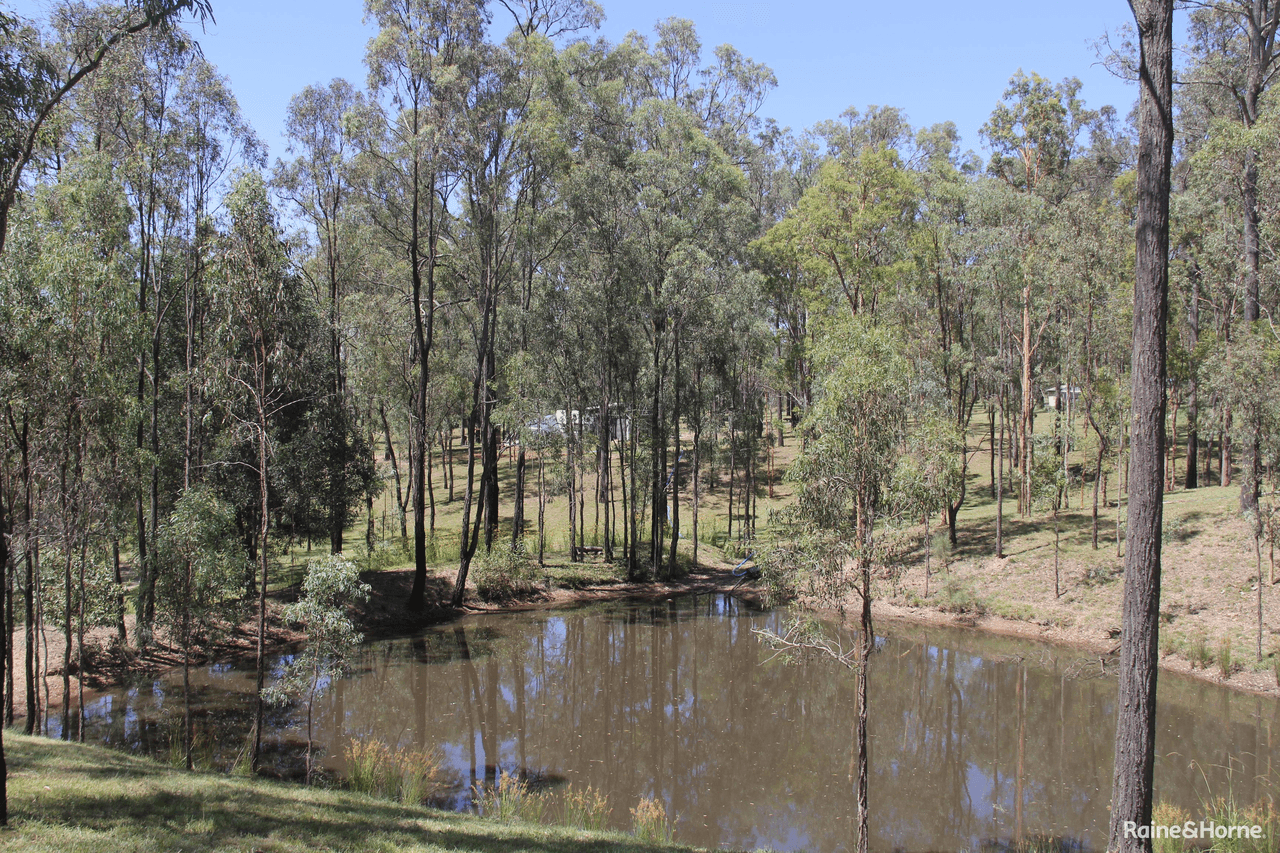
{"x":649,"y":822}
{"x":956,"y":596}
{"x":1224,"y":657}
{"x":504,"y":573}
{"x":1169,"y":643}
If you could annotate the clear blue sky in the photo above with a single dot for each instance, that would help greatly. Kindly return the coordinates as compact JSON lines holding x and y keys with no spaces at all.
{"x":935,"y":60}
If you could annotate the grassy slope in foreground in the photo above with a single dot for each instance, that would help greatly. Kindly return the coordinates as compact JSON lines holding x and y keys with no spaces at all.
{"x":67,"y":797}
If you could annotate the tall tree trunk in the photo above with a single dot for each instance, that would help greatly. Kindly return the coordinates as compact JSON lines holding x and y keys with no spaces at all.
{"x":1028,"y":402}
{"x":1193,"y":401}
{"x":675,"y":468}
{"x":423,"y":334}
{"x":263,"y":492}
{"x":866,"y":643}
{"x":395,"y":472}
{"x":1139,"y":644}
{"x":517,"y":514}
{"x":1000,"y":483}
{"x":1250,"y":456}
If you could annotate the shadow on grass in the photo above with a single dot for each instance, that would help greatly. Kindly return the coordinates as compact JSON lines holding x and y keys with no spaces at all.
{"x":69,"y":795}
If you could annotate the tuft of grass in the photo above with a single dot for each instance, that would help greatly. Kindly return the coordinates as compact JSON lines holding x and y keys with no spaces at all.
{"x":1224,"y":657}
{"x":649,"y":821}
{"x":1199,"y":652}
{"x":406,"y":776}
{"x":585,"y":808}
{"x":1167,"y":814}
{"x":511,"y":801}
{"x":1225,"y":811}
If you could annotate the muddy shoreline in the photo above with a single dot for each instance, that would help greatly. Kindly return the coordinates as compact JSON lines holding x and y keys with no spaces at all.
{"x":384,"y":617}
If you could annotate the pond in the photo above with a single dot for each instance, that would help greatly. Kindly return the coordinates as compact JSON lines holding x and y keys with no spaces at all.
{"x":975,"y":741}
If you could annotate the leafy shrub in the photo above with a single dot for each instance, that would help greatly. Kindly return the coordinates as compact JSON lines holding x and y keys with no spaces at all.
{"x":504,"y":573}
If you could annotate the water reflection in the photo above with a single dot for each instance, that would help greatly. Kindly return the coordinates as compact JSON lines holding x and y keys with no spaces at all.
{"x":973,"y":740}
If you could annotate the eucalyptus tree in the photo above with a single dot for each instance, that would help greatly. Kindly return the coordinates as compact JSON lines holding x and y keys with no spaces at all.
{"x":173,"y":130}
{"x":506,"y":139}
{"x":405,"y":141}
{"x":850,"y":228}
{"x":950,"y":293}
{"x":36,"y":75}
{"x":1234,"y":52}
{"x":856,"y":430}
{"x":261,"y":309}
{"x":1033,"y":137}
{"x":318,"y":184}
{"x":68,"y":322}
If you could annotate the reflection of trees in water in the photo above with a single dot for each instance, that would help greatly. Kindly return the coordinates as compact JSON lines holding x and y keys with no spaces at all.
{"x":966,"y":746}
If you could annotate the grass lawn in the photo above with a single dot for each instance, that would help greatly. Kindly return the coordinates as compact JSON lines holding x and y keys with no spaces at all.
{"x":66,"y":797}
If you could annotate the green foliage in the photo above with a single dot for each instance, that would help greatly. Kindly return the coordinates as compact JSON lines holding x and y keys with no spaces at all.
{"x":958,"y":596}
{"x":504,"y":572}
{"x":203,"y":565}
{"x":331,"y":585}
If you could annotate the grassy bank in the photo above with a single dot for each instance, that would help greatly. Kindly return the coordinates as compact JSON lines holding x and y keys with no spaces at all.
{"x":67,"y":797}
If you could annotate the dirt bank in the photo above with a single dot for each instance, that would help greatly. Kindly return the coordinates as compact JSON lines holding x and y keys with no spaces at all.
{"x":107,"y":663}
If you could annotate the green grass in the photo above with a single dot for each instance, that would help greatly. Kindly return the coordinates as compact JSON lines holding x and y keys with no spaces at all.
{"x":67,"y":797}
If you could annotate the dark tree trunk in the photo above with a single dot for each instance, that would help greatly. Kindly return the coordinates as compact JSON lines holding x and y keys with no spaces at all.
{"x":517,"y":514}
{"x":395,"y":473}
{"x":1139,"y":645}
{"x":261,"y":667}
{"x":1193,"y":401}
{"x":423,"y":334}
{"x":675,"y":468}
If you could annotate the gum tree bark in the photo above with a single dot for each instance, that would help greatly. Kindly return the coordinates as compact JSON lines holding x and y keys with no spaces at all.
{"x":1139,"y":646}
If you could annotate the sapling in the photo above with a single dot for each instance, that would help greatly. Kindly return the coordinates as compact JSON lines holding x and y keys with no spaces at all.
{"x":321,"y":612}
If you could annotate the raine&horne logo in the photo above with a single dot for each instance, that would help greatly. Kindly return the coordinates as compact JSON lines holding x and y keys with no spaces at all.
{"x":1204,"y":830}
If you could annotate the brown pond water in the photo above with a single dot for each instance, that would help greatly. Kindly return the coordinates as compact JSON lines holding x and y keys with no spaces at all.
{"x":974,"y":741}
